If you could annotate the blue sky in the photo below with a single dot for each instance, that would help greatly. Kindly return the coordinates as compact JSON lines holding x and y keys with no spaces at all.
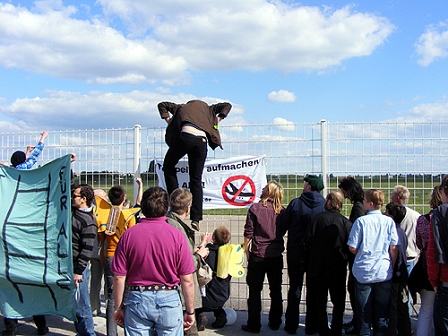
{"x":106,"y":64}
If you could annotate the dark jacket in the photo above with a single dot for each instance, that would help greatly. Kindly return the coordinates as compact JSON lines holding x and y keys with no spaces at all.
{"x":440,"y":232}
{"x":310,"y":202}
{"x":196,"y":112}
{"x":357,"y":211}
{"x":328,"y":236}
{"x":84,"y":231}
{"x":217,"y":290}
{"x":261,"y":227}
{"x":174,"y":220}
{"x":400,"y":274}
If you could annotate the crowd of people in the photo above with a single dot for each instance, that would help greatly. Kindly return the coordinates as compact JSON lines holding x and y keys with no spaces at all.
{"x":150,"y":259}
{"x":390,"y":256}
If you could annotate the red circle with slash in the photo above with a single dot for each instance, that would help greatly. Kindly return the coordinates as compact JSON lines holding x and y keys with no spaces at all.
{"x":232,"y":199}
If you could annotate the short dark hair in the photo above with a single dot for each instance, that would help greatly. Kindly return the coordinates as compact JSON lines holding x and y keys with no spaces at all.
{"x":18,"y":157}
{"x":116,"y":195}
{"x":396,"y":211}
{"x":154,"y":202}
{"x":86,"y":191}
{"x":221,"y":235}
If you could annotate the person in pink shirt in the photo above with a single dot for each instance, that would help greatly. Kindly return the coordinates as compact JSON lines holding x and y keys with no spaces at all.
{"x":151,"y":260}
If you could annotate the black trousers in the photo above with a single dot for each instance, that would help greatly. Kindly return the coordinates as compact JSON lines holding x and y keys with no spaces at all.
{"x":317,"y":296}
{"x":257,"y":269}
{"x":195,"y":147}
{"x":296,"y":276}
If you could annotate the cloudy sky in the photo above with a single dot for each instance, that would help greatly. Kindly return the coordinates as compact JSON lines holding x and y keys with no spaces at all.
{"x":83,"y":64}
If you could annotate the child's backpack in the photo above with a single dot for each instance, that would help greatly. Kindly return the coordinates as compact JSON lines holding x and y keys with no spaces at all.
{"x":230,"y":261}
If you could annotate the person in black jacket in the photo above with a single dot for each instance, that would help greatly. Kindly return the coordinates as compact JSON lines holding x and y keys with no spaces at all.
{"x":328,"y":236}
{"x":84,"y":231}
{"x":399,"y":320}
{"x":217,"y":291}
{"x":295,"y":219}
{"x":353,"y":191}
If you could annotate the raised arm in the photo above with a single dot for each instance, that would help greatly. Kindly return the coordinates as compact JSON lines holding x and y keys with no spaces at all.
{"x":138,"y":199}
{"x":43,"y":135}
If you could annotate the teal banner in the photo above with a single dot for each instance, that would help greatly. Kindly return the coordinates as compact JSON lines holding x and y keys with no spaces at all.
{"x":36,"y":267}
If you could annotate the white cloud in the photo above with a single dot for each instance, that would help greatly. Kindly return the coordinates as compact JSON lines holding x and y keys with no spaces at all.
{"x":433,"y":44}
{"x":270,"y":35}
{"x":164,"y":40}
{"x":282,"y":96}
{"x":284,"y":125}
{"x":8,"y":127}
{"x":73,"y":110}
{"x":430,"y":111}
{"x":56,"y":44}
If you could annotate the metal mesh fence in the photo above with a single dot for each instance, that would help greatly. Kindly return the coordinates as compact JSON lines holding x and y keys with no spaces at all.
{"x":379,"y":155}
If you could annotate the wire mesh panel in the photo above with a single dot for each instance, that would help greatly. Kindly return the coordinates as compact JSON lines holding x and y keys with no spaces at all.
{"x":383,"y":155}
{"x":380,"y":155}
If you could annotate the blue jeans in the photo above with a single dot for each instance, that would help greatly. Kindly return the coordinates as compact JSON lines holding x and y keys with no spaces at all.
{"x":196,"y":149}
{"x":373,"y":307}
{"x":110,"y":322}
{"x":149,"y":311}
{"x":409,"y":266}
{"x":84,"y":324}
{"x":440,"y":314}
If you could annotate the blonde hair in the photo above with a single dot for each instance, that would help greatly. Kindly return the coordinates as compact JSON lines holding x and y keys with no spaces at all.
{"x":376,"y":196}
{"x":275,"y":194}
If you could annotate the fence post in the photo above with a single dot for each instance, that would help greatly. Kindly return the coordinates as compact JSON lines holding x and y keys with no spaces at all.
{"x":137,"y":157}
{"x":323,"y":131}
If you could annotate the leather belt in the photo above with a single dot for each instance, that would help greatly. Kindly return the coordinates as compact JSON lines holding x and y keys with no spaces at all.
{"x":152,"y":288}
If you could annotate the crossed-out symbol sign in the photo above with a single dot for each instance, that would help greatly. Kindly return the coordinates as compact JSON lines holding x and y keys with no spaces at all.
{"x":239,"y":190}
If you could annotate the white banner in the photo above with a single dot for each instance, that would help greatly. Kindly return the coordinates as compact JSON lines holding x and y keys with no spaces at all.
{"x":228,"y":183}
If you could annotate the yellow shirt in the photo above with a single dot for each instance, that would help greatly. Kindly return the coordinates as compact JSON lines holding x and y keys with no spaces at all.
{"x":126,"y":220}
